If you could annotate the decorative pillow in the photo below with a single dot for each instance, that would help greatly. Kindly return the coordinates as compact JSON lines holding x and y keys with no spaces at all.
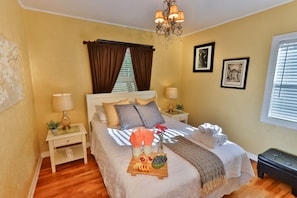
{"x":111,"y":114}
{"x":128,"y":116}
{"x":150,"y":114}
{"x":146,"y":101}
{"x":101,"y":114}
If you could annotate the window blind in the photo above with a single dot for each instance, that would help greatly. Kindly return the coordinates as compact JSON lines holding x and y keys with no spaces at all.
{"x":126,"y":81}
{"x":283,"y":103}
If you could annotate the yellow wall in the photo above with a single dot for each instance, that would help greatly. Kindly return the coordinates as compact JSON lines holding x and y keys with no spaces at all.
{"x":238,"y":111}
{"x":19,"y":146}
{"x":60,"y":62}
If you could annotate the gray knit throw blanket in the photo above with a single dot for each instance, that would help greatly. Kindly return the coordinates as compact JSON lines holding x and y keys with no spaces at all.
{"x":209,"y":166}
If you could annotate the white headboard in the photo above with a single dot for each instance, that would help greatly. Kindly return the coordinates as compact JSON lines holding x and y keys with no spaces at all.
{"x":97,"y":99}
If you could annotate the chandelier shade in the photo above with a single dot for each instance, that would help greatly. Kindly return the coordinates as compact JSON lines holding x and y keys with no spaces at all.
{"x":169,"y":20}
{"x":180,"y":18}
{"x":159,"y":18}
{"x":173,"y":12}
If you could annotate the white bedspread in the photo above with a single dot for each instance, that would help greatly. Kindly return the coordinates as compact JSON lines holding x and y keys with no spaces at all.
{"x":183,"y":179}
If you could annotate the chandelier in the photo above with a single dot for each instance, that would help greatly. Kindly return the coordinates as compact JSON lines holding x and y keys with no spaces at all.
{"x":169,"y":20}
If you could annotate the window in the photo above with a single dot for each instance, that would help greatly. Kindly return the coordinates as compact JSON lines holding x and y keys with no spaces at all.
{"x":280,"y":98}
{"x":126,"y":81}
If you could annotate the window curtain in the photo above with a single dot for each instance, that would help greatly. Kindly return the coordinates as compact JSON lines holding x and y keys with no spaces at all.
{"x":105,"y":61}
{"x":142,"y":58}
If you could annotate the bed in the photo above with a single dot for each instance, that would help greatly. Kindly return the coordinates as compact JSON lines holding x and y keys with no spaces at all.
{"x":113,"y":154}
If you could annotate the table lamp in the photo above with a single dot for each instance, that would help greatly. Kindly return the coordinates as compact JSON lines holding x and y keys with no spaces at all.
{"x":63,"y":102}
{"x":171,"y":93}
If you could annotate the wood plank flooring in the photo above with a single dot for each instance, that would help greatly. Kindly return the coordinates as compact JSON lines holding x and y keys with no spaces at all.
{"x":76,"y":180}
{"x":72,"y":180}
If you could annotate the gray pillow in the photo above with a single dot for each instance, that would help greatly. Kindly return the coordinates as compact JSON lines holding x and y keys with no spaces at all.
{"x":150,"y":114}
{"x":128,"y":116}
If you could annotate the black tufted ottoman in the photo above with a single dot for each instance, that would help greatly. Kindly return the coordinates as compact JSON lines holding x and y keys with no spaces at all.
{"x":280,"y":165}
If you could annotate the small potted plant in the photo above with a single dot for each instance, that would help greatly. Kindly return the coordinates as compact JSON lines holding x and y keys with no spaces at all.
{"x":179,"y":107}
{"x":53,"y":126}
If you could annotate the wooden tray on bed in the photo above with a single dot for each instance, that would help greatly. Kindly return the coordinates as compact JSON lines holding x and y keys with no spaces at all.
{"x":160,"y":173}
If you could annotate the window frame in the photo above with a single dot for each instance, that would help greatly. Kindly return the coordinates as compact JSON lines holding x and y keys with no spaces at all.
{"x":276,"y":41}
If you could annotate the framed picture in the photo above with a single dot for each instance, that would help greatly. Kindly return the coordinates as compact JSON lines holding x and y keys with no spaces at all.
{"x":234,"y":73}
{"x":203,"y":57}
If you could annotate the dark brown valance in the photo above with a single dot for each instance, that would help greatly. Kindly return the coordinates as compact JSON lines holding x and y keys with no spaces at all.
{"x":119,"y":43}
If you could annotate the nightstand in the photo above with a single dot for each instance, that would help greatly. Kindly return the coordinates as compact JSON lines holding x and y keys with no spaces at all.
{"x":180,"y":116}
{"x":68,"y":145}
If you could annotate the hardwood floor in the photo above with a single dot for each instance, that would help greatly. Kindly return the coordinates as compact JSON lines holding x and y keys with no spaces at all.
{"x":75,"y":180}
{"x":72,"y":180}
{"x":262,"y":188}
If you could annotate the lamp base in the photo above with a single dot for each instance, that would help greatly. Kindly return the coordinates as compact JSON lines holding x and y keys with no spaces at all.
{"x":65,"y":122}
{"x":171,"y":107}
{"x":66,"y":127}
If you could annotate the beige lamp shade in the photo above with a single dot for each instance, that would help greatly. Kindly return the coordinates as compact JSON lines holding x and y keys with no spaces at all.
{"x":62,"y":102}
{"x":171,"y":93}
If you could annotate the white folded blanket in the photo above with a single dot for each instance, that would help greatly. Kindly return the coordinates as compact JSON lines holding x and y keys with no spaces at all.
{"x":213,"y":141}
{"x":209,"y":129}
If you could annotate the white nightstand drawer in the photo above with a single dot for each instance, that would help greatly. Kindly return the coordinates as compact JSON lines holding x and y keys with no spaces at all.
{"x":67,"y":141}
{"x":181,"y":117}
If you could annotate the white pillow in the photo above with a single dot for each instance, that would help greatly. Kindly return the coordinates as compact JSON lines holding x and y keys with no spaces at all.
{"x":101,"y":114}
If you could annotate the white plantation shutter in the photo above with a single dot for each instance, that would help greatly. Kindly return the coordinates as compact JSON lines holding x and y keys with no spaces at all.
{"x":284,"y":93}
{"x":280,"y":98}
{"x":126,"y":81}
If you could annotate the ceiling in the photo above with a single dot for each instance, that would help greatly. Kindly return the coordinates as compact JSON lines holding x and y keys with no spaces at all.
{"x":139,"y":14}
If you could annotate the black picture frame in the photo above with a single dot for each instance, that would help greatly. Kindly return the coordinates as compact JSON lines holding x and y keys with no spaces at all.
{"x":234,"y":73}
{"x":203,"y":57}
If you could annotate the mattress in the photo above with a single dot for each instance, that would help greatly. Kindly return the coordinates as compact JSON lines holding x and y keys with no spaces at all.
{"x":183,"y":179}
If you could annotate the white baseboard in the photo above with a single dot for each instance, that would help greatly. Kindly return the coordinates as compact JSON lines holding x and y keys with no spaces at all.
{"x":252,"y":156}
{"x":36,"y":174}
{"x":35,"y":178}
{"x":45,"y":154}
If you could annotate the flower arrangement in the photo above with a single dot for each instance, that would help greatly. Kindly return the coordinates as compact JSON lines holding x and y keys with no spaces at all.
{"x":160,"y":130}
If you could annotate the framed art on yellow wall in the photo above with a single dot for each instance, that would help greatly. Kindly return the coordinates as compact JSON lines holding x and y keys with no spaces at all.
{"x":11,"y":88}
{"x":234,"y":73}
{"x":203,"y":57}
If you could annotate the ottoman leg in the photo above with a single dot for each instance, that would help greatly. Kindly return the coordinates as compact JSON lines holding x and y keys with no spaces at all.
{"x":260,"y":174}
{"x":294,"y":191}
{"x":260,"y":171}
